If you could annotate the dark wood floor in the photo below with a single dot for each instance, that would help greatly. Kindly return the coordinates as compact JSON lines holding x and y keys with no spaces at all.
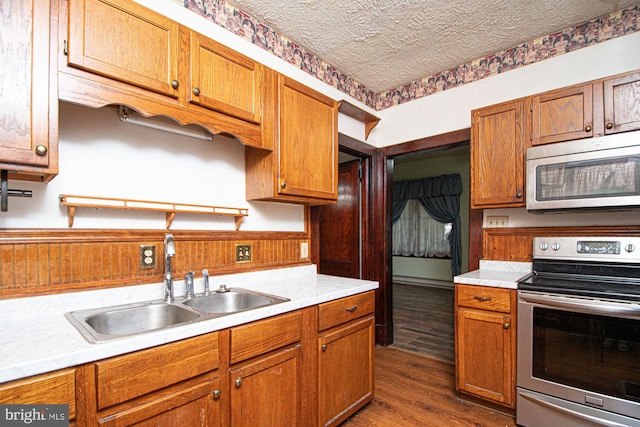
{"x":423,"y":320}
{"x":414,"y":390}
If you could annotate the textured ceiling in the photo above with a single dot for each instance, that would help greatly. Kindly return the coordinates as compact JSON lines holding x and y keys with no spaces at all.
{"x":385,"y":44}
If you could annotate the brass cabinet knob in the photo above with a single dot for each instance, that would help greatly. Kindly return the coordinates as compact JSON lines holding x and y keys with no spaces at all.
{"x":506,"y":325}
{"x":216,"y":394}
{"x":609,"y":126}
{"x":283,"y":185}
{"x":196,"y":91}
{"x":41,"y":150}
{"x":175,"y":84}
{"x":324,"y":347}
{"x":519,"y":195}
{"x":587,"y":129}
{"x":238,"y":382}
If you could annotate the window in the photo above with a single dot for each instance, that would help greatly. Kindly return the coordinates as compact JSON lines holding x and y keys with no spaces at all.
{"x":417,"y":234}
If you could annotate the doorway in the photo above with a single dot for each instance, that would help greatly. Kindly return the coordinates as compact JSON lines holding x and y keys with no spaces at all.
{"x":375,"y":238}
{"x":422,"y":278}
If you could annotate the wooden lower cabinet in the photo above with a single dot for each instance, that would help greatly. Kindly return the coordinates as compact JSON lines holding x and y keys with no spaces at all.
{"x":307,"y":367}
{"x":485,"y":338}
{"x":345,"y":373}
{"x":58,"y":388}
{"x":191,"y":404}
{"x":156,"y":386}
{"x":345,"y":348}
{"x":266,"y":391}
{"x":265,"y":372}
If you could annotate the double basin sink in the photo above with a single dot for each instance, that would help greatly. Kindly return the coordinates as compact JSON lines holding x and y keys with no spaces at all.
{"x":107,"y":323}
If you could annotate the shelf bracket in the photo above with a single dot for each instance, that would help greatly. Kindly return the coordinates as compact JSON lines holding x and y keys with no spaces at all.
{"x":370,"y":121}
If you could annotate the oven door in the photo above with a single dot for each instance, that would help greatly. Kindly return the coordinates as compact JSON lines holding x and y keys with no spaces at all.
{"x":578,"y":358}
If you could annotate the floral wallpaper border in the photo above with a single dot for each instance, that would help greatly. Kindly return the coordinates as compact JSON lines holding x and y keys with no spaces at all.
{"x":607,"y":27}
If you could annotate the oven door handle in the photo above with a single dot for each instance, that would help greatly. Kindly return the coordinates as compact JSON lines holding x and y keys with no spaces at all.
{"x":591,"y":306}
{"x":599,"y":421}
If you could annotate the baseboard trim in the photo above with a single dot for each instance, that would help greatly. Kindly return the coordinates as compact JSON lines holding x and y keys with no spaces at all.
{"x":421,"y":281}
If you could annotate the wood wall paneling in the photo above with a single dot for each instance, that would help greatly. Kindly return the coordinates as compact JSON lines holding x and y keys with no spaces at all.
{"x":38,"y":262}
{"x":515,"y":244}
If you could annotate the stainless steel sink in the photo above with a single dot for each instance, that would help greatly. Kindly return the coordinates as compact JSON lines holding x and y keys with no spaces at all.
{"x":108,"y":323}
{"x":232,"y":301}
{"x":120,"y":321}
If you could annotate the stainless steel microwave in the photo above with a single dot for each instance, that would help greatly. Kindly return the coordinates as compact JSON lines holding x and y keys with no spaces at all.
{"x":589,"y":173}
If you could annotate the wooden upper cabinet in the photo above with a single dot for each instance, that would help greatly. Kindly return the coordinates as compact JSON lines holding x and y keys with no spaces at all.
{"x":302,"y":127}
{"x":308,"y":145}
{"x":223,"y":80}
{"x":29,"y":113}
{"x":562,"y":115}
{"x":497,"y":156}
{"x":124,"y":41}
{"x":621,"y":103}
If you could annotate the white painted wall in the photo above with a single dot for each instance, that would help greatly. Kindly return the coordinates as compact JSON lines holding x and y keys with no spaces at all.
{"x":101,"y":156}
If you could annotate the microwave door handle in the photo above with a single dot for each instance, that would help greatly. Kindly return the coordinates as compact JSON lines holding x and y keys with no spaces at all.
{"x":595,"y":306}
{"x":599,"y":421}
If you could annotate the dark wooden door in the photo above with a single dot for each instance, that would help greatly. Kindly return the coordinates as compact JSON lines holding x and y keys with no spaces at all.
{"x":340,"y":226}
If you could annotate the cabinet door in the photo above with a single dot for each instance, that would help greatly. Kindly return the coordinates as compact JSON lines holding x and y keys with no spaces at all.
{"x":28,"y":111}
{"x":484,"y":355}
{"x":223,"y":80}
{"x":497,"y":156}
{"x":196,"y":405}
{"x":266,"y":392}
{"x":308,"y":145}
{"x":345,"y":371}
{"x":124,"y":41}
{"x":562,"y":115}
{"x":621,"y":106}
{"x":52,"y":388}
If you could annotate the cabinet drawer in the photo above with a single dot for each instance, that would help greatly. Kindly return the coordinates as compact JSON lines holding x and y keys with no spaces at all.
{"x":124,"y":377}
{"x":345,"y":309}
{"x":53,"y":388}
{"x":265,"y":335}
{"x":484,"y":298}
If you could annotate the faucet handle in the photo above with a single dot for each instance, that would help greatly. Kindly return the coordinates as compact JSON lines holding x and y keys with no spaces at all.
{"x":188,"y":281}
{"x":205,"y":275}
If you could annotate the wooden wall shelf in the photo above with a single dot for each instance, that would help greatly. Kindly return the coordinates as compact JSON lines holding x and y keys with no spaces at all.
{"x":73,"y":202}
{"x":370,"y":121}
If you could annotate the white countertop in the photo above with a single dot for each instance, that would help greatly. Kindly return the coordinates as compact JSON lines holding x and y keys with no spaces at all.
{"x":497,"y":274}
{"x":37,"y":338}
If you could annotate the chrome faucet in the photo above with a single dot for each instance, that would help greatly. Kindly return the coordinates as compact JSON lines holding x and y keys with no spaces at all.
{"x":205,"y":275}
{"x":189,"y":292}
{"x":169,"y":251}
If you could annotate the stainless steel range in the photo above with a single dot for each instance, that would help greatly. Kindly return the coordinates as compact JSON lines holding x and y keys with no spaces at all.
{"x":579,"y":333}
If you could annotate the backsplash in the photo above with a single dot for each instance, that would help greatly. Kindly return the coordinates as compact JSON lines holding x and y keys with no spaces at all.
{"x":39,"y":262}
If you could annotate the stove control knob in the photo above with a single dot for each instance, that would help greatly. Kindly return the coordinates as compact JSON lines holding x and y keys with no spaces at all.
{"x":630,"y":247}
{"x":544,"y":246}
{"x":555,"y":246}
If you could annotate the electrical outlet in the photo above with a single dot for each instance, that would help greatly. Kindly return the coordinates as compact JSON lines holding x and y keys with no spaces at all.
{"x":497,"y":221}
{"x":147,"y":257}
{"x":243,"y":253}
{"x":304,"y":250}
